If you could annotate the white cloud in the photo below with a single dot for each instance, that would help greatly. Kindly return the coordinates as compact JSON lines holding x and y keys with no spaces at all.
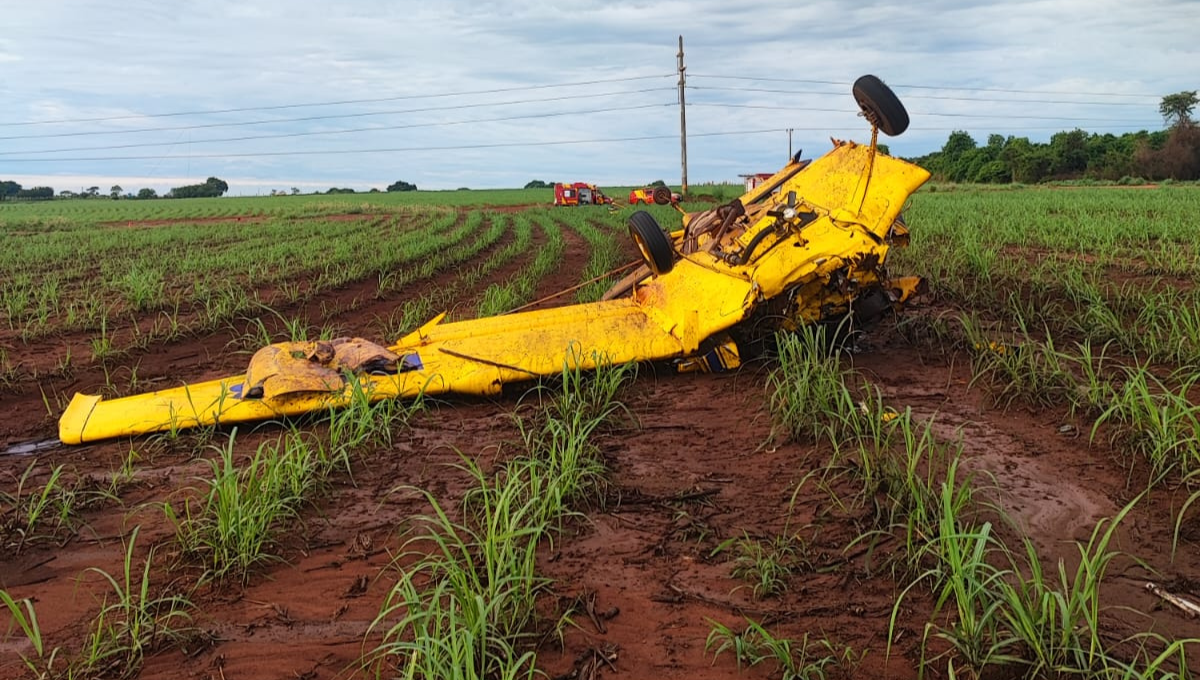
{"x":7,"y":54}
{"x":78,"y":59}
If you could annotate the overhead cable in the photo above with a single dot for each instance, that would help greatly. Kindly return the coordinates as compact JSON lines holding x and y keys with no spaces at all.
{"x":374,"y":100}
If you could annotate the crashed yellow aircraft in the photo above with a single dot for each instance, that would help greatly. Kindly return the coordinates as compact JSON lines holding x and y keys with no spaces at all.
{"x":808,"y":245}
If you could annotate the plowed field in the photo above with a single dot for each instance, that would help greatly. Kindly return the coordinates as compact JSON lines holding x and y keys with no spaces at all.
{"x":703,"y":488}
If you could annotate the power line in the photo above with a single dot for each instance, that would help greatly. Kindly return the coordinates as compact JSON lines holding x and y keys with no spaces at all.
{"x":526,"y":88}
{"x":544,"y":115}
{"x":807,"y":109}
{"x":926,"y":96}
{"x":518,"y":102}
{"x":535,"y":116}
{"x":338,"y":132}
{"x":929,"y":87}
{"x":1024,"y":128}
{"x":1037,"y":128}
{"x":916,"y":114}
{"x":278,"y":107}
{"x":495,"y":145}
{"x":363,"y":114}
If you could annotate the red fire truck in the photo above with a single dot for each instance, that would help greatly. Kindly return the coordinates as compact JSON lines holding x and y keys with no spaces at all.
{"x":579,"y":193}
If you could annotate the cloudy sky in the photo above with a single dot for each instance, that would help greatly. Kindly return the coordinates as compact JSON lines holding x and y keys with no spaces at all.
{"x":274,"y":94}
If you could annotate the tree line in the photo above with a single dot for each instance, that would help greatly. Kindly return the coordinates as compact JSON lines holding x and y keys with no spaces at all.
{"x":1173,"y":153}
{"x":1167,"y":154}
{"x":210,"y":188}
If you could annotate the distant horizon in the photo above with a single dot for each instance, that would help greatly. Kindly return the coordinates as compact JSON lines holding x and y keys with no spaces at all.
{"x":312,"y":187}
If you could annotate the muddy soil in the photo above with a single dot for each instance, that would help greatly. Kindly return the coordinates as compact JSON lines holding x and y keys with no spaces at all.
{"x":694,"y":464}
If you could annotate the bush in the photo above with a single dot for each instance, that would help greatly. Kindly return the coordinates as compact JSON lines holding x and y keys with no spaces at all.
{"x":992,"y":172}
{"x":212,"y":187}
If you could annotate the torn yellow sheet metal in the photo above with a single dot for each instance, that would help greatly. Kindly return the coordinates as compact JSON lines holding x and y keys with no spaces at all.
{"x":468,"y":357}
{"x":802,"y":250}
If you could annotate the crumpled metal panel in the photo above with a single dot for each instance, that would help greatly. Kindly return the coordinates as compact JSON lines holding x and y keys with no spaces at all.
{"x":850,"y":199}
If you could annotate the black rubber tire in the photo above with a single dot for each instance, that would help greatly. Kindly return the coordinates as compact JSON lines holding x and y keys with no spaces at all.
{"x":880,"y":105}
{"x":652,"y":241}
{"x":662,"y":195}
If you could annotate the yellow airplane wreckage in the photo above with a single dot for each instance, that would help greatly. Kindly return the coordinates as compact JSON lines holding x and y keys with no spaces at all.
{"x":809,"y":245}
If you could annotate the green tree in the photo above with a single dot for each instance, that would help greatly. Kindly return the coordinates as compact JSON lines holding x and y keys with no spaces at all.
{"x":1176,"y":109}
{"x":958,"y":143}
{"x":1027,"y":163}
{"x":36,"y":193}
{"x":992,"y":172}
{"x":1069,"y":153}
{"x":115,"y":192}
{"x":1173,"y":153}
{"x":147,"y":193}
{"x":401,"y":186}
{"x":1108,"y":156}
{"x":216,"y":186}
{"x":211,"y":188}
{"x":982,"y":164}
{"x":538,"y":184}
{"x":958,"y":158}
{"x":8,"y":189}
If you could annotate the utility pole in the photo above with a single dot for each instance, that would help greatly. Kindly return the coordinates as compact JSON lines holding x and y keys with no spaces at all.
{"x":682,"y":119}
{"x":789,"y":131}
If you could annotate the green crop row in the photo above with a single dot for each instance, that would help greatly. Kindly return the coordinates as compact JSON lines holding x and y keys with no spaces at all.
{"x":997,"y":610}
{"x":197,"y":283}
{"x":519,"y":289}
{"x":466,"y":596}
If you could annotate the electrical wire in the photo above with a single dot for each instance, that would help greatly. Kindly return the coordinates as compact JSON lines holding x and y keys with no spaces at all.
{"x":922,"y":96}
{"x":535,"y":116}
{"x":362,"y":114}
{"x":344,"y":131}
{"x":525,"y":88}
{"x":459,"y":147}
{"x":494,"y":145}
{"x":1127,"y":124}
{"x":928,"y":87}
{"x":915,"y":114}
{"x":278,"y":107}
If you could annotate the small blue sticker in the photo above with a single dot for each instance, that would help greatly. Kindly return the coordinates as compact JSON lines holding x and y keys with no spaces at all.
{"x":411,"y":362}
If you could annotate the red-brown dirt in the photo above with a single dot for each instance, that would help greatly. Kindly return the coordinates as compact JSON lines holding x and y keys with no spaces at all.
{"x":694,"y":465}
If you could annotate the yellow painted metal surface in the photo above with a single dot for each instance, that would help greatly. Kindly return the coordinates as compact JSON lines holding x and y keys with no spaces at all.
{"x":819,"y":259}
